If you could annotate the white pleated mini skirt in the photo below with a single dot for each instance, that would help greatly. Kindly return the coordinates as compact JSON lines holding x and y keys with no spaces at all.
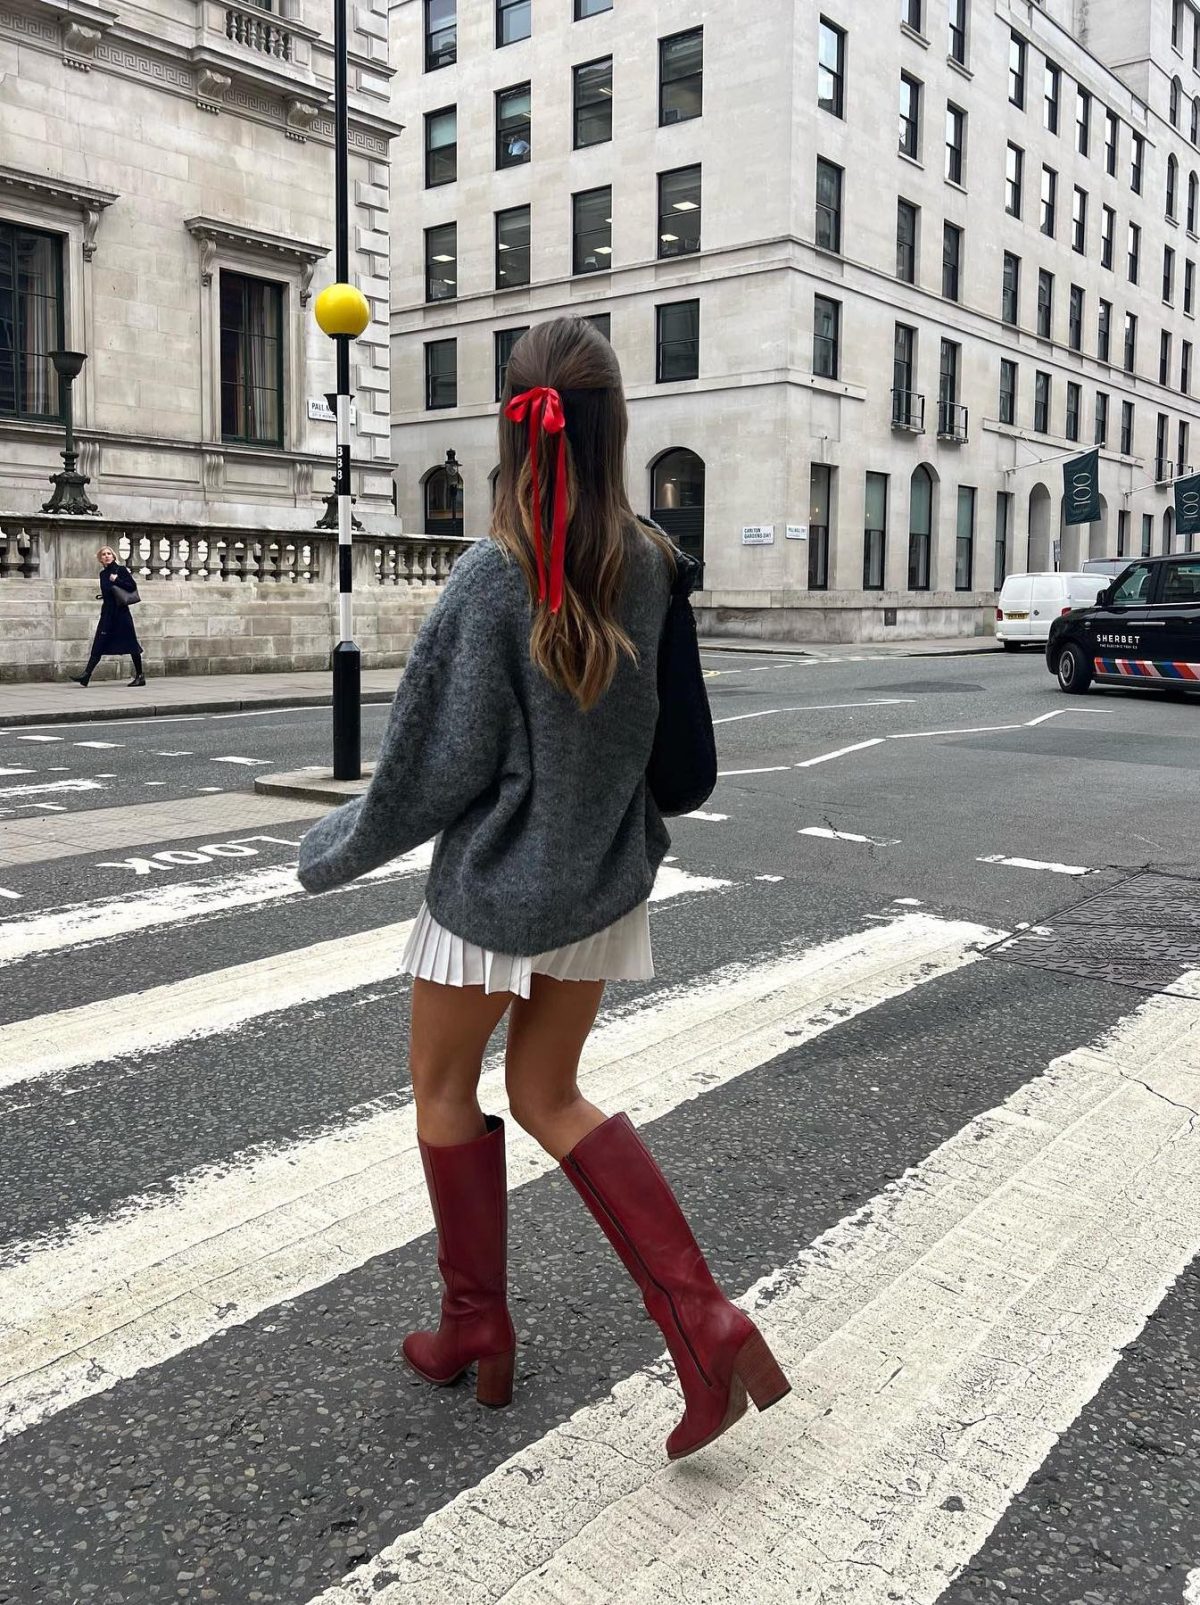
{"x":620,"y":952}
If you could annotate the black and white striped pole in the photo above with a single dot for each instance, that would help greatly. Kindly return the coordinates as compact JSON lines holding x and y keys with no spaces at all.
{"x":342,"y":313}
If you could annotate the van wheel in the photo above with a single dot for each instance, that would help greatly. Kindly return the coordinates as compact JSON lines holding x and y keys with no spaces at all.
{"x":1074,"y":671}
{"x":1011,"y":646}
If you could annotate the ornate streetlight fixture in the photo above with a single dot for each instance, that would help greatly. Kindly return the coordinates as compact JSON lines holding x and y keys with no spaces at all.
{"x":69,"y":494}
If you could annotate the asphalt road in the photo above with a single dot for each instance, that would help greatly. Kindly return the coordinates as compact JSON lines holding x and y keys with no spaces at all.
{"x":190,"y":1049}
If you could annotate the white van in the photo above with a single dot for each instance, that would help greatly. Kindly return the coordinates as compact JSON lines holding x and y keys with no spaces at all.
{"x":1028,"y":602}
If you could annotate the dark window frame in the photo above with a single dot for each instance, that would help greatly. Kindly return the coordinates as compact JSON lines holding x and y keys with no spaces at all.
{"x":513,"y":255}
{"x":446,"y":53}
{"x":1104,"y":314}
{"x":505,"y":9}
{"x":433,"y":379}
{"x":1045,"y":304}
{"x":276,"y":388}
{"x":1010,"y":290}
{"x":957,"y":23}
{"x":664,"y":83}
{"x":956,"y":143}
{"x":910,"y":121}
{"x":513,"y":131}
{"x":691,"y":308}
{"x":1076,"y":303}
{"x":906,"y":241}
{"x":834,"y":103}
{"x":582,"y":109}
{"x":684,"y":245}
{"x":951,"y":261}
{"x":1127,"y":427}
{"x":875,"y":535}
{"x":1052,"y":96}
{"x":830,"y":343}
{"x":11,"y":234}
{"x":1018,"y":63}
{"x":503,"y":341}
{"x":579,"y":250}
{"x":1074,"y":412}
{"x":430,"y":265}
{"x":1048,"y":220}
{"x":1079,"y":216}
{"x":1100,"y":425}
{"x":1043,"y":401}
{"x":964,"y":545}
{"x":1014,"y":180}
{"x":431,"y":182}
{"x":829,"y":238}
{"x":1009,"y":378}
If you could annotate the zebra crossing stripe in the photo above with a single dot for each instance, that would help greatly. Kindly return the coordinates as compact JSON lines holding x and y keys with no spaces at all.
{"x":939,"y":1341}
{"x":112,"y":1296}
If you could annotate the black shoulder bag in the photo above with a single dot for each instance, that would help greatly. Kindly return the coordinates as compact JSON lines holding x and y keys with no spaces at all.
{"x":682,"y":771}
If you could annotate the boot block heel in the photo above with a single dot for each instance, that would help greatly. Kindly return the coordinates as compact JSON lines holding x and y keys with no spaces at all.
{"x":757,"y":1369}
{"x":494,"y":1380}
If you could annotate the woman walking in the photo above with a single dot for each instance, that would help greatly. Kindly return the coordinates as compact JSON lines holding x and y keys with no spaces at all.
{"x":115,"y":635}
{"x":520,"y":736}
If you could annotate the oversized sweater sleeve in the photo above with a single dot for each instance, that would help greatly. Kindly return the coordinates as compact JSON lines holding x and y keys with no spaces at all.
{"x":444,"y":742}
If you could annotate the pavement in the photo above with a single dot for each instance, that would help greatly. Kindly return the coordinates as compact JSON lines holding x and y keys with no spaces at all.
{"x":920,"y":1058}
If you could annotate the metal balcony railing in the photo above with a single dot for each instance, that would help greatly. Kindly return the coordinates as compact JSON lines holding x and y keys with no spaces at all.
{"x":908,"y":411}
{"x":952,"y":421}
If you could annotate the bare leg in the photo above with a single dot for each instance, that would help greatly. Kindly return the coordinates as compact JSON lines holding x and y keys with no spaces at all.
{"x":546,"y":1034}
{"x":451,"y":1027}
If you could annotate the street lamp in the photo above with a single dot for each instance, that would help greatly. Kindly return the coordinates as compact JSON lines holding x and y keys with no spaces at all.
{"x":453,"y":472}
{"x":69,"y":495}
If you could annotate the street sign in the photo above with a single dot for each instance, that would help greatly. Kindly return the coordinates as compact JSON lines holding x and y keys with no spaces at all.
{"x":796,"y":532}
{"x":758,"y":534}
{"x":321,"y":412}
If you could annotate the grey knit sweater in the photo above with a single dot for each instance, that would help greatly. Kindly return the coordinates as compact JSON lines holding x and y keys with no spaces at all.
{"x":546,"y":830}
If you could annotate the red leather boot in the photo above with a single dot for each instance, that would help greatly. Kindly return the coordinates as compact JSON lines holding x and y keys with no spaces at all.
{"x":720,"y":1354}
{"x":469,"y":1195}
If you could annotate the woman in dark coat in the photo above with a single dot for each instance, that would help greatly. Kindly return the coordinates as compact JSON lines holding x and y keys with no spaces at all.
{"x":115,"y":635}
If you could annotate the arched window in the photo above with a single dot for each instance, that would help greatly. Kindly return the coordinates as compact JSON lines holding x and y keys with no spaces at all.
{"x":920,"y":528}
{"x":1172,"y":184}
{"x":443,"y":510}
{"x":677,"y":500}
{"x":1193,"y":199}
{"x":1168,"y":530}
{"x":1196,"y":121}
{"x":1176,"y":101}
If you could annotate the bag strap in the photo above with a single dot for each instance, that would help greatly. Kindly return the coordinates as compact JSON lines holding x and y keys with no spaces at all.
{"x":687,"y":570}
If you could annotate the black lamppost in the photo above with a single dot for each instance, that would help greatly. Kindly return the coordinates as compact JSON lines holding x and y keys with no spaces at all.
{"x":453,"y":471}
{"x":329,"y":518}
{"x":69,"y":495}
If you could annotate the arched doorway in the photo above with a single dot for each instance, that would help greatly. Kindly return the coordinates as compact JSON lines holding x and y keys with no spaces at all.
{"x":1168,"y":531}
{"x":920,"y":529}
{"x":443,"y":511}
{"x":677,"y":500}
{"x":1039,"y":530}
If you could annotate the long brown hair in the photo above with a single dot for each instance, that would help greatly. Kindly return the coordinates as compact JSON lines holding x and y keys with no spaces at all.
{"x":579,"y":647}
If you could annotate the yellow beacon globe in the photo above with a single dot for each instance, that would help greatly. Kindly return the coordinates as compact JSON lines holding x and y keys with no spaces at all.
{"x":342,"y":309}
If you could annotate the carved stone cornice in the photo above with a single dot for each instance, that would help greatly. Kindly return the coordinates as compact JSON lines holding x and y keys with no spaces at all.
{"x":215,"y":235}
{"x":62,"y":195}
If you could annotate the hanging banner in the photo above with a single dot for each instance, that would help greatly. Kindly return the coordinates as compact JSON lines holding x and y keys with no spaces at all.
{"x":1187,"y":505}
{"x":1081,"y":489}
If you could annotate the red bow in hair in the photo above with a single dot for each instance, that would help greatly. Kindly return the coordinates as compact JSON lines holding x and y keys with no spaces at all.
{"x":543,"y":407}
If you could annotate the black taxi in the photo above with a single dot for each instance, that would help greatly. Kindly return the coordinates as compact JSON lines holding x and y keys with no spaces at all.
{"x":1144,"y":630}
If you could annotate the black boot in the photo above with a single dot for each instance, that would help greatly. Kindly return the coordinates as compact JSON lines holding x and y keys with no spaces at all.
{"x":138,"y":679}
{"x":80,"y":679}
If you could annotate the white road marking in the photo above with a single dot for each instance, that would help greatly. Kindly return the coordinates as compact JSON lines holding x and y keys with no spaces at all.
{"x":773,"y":769}
{"x":907,"y":902}
{"x":153,"y":782}
{"x":967,"y":730}
{"x":39,"y":738}
{"x":113,"y":1295}
{"x":818,"y":707}
{"x":1033,"y":863}
{"x":17,"y":771}
{"x":939,"y":1341}
{"x":841,"y":752}
{"x":19,"y":792}
{"x":97,"y":743}
{"x":713,"y":819}
{"x":4,"y":892}
{"x":209,"y":788}
{"x":240,"y":760}
{"x":1191,"y":1588}
{"x":847,"y":836}
{"x":768,"y":877}
{"x":51,"y":808}
{"x":180,"y":753}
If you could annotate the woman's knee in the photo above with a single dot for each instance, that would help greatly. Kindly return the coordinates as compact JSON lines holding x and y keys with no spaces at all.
{"x":537,"y":1107}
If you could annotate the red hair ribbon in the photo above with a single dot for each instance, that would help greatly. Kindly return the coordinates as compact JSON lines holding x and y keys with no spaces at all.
{"x":543,"y":407}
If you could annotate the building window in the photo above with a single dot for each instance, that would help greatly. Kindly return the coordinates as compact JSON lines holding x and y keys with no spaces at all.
{"x":1177,"y":25}
{"x":1126,"y":430}
{"x":920,"y":528}
{"x":1003,"y":518}
{"x":1100,"y":436}
{"x":592,"y":87}
{"x":1112,"y":140}
{"x":441,"y":373}
{"x":1172,"y":187}
{"x":1193,"y":197}
{"x":441,"y":34}
{"x":1168,"y":282}
{"x":590,"y":8}
{"x":1079,"y":221}
{"x":949,"y":422}
{"x":1075,"y":318}
{"x":251,"y":360}
{"x":505,"y":340}
{"x":1016,"y":70}
{"x":1147,"y":533}
{"x":906,"y":241}
{"x":1073,"y":403}
{"x":1123,"y":532}
{"x":964,"y":544}
{"x":441,"y":262}
{"x":1041,"y":402}
{"x":513,"y":21}
{"x":1045,"y":304}
{"x":910,"y":14}
{"x":1137,"y":156}
{"x":31,"y":323}
{"x":1053,"y":94}
{"x":1162,"y":462}
{"x":1189,"y":286}
{"x":819,"y":502}
{"x":831,"y":68}
{"x":512,"y":126}
{"x":1182,"y":466}
{"x":1185,"y":367}
{"x":907,"y":408}
{"x":829,"y":205}
{"x":875,"y":532}
{"x":952,"y":238}
{"x":1049,"y":200}
{"x":826,"y":333}
{"x":1108,"y":227}
{"x":1175,"y":101}
{"x":1130,"y":342}
{"x":591,"y":230}
{"x":1195,"y":133}
{"x":1014,"y":167}
{"x":679,"y":211}
{"x":1104,"y":332}
{"x":1008,"y":391}
{"x":956,"y":141}
{"x":677,"y":341}
{"x":441,"y":146}
{"x":956,"y":12}
{"x":1135,"y":251}
{"x":512,"y":247}
{"x":1164,"y":357}
{"x":601,"y":322}
{"x":681,"y":76}
{"x":443,"y":504}
{"x":910,"y":116}
{"x":1010,"y":294}
{"x":1083,"y":119}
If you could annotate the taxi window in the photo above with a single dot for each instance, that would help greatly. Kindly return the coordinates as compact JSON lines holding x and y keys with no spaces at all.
{"x":1182,"y":583}
{"x":1134,"y":588}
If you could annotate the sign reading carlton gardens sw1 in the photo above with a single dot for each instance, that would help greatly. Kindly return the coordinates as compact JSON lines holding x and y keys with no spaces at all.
{"x":1081,"y":489}
{"x":1187,"y":505}
{"x":758,"y":534}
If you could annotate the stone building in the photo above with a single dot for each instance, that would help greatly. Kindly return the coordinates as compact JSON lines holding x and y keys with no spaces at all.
{"x":873,"y":271}
{"x":166,"y":208}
